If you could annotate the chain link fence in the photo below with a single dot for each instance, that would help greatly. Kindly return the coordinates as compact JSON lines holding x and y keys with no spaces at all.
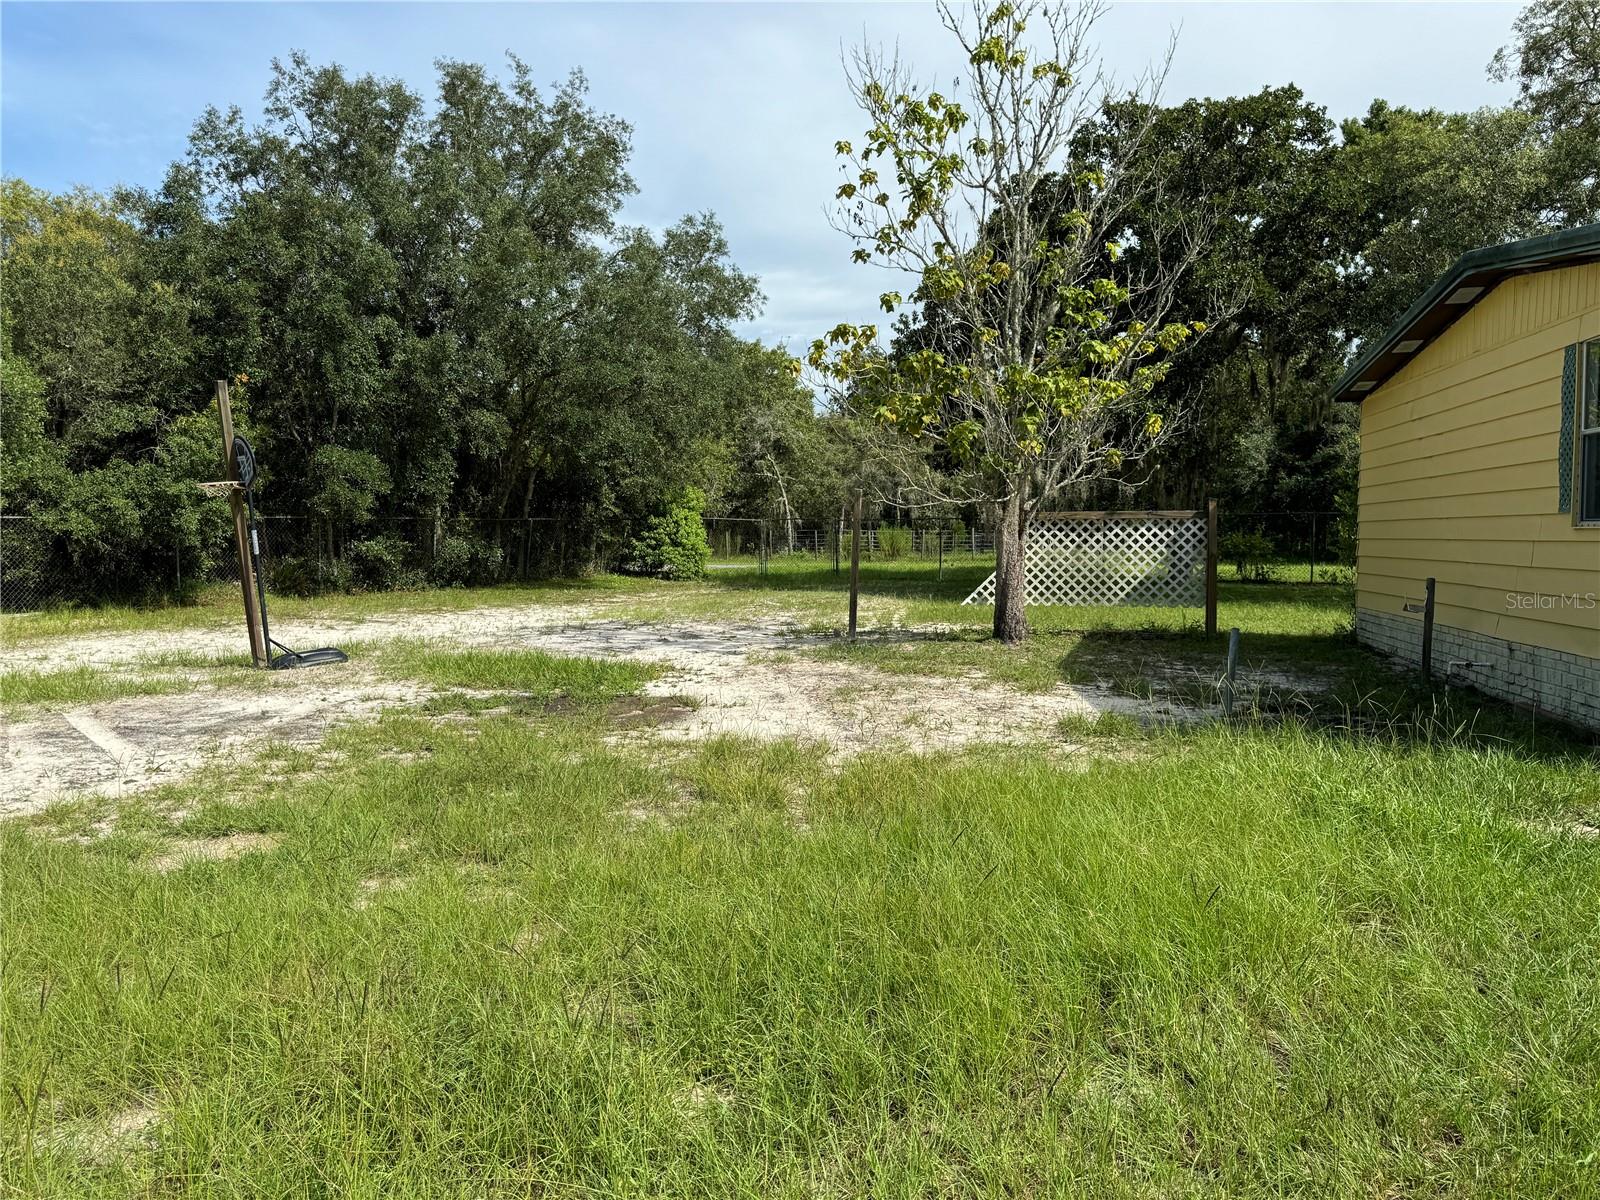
{"x":299,"y":556}
{"x":1287,"y":546}
{"x":737,"y":540}
{"x":303,"y":556}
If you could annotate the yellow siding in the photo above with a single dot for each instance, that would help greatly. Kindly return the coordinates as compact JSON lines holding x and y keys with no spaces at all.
{"x":1459,"y":472}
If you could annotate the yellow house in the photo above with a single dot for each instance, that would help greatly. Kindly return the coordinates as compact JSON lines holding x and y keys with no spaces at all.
{"x":1480,"y":468}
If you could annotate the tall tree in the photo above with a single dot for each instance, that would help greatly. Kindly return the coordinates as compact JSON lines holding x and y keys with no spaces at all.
{"x":1555,"y":61}
{"x":100,"y":439}
{"x":438,"y":310}
{"x":1261,"y":171}
{"x":1047,"y":354}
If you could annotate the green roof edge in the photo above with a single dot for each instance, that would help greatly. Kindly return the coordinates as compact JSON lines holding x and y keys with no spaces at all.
{"x":1544,"y":252}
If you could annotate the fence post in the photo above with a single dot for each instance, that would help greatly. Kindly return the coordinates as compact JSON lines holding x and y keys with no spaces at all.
{"x":1211,"y":567}
{"x":941,"y":556}
{"x":1427,"y":632}
{"x":1426,"y":609}
{"x":855,"y":564}
{"x":1313,"y":547}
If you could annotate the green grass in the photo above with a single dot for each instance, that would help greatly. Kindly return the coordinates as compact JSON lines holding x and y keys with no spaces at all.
{"x":529,"y":674}
{"x":500,"y":958}
{"x":152,"y":675}
{"x":481,"y":949}
{"x":79,"y":685}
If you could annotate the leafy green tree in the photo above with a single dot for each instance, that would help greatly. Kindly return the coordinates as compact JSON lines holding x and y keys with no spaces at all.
{"x":1047,"y":356}
{"x":98,"y":448}
{"x":781,"y":462}
{"x":1436,"y":185}
{"x":1555,"y":61}
{"x":1261,"y":173}
{"x":439,"y":312}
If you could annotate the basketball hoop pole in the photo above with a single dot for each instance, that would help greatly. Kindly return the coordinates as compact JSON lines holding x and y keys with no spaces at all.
{"x":240,"y":487}
{"x":241,"y":535}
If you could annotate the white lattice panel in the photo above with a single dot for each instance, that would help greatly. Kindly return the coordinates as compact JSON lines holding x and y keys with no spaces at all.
{"x":1115,"y":558}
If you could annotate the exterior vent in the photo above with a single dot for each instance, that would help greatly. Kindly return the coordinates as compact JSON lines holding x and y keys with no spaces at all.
{"x":1406,"y":347}
{"x":1464,"y":295}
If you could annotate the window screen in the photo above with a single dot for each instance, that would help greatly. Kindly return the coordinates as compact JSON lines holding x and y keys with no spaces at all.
{"x":1589,"y":435}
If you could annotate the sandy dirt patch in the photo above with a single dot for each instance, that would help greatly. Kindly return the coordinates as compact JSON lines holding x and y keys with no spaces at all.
{"x":141,"y":742}
{"x":729,"y":676}
{"x":180,"y":854}
{"x":109,"y":1138}
{"x":473,"y":626}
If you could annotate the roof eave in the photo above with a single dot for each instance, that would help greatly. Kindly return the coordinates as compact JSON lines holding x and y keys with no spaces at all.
{"x":1432,"y":314}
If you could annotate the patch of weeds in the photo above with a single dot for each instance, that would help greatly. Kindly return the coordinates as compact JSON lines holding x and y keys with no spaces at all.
{"x":770,"y":658}
{"x":72,"y":686}
{"x":192,"y":660}
{"x":532,"y":676}
{"x":184,"y":852}
{"x":1108,"y":725}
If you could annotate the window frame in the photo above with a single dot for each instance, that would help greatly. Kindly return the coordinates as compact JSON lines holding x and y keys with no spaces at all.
{"x":1583,"y":432}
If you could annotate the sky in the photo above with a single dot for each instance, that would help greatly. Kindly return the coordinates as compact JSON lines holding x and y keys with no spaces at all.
{"x":735,"y":106}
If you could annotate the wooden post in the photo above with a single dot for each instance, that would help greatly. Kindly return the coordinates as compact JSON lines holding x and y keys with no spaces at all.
{"x":1427,"y":633}
{"x":241,"y":532}
{"x":1211,"y":567}
{"x":855,"y":564}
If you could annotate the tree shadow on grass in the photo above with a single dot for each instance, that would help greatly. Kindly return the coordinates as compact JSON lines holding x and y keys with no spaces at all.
{"x":1325,"y":682}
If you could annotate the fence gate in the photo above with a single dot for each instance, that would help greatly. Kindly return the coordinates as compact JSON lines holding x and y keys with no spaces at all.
{"x":1143,"y":558}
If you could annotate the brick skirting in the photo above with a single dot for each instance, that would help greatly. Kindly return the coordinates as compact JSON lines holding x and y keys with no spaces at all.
{"x":1552,"y":681}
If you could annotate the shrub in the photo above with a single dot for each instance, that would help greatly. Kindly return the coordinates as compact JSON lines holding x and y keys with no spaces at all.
{"x":465,"y":562}
{"x":1340,"y":576}
{"x":1249,"y":553}
{"x":378,"y":564}
{"x":894,"y":542}
{"x":958,"y":533}
{"x":307,"y":575}
{"x":673,"y":545}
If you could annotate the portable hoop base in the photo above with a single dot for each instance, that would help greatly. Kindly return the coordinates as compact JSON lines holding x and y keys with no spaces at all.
{"x":240,"y":461}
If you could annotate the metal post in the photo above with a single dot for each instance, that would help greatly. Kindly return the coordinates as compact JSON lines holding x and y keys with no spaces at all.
{"x":1313,"y":547}
{"x":1427,"y":633}
{"x":855,"y":564}
{"x":1426,"y":609}
{"x":1211,"y":566}
{"x":941,"y":556}
{"x":1231,"y":673}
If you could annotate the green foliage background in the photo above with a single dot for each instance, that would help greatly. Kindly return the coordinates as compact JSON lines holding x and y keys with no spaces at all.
{"x":437,"y":324}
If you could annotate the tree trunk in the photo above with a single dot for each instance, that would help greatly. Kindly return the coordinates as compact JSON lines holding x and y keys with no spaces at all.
{"x":1010,"y":574}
